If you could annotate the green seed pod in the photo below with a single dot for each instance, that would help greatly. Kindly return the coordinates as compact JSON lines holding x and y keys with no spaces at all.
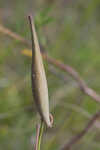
{"x":39,"y":82}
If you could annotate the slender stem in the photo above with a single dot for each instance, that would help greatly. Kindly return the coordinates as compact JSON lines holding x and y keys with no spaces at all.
{"x":40,"y":135}
{"x":37,"y":137}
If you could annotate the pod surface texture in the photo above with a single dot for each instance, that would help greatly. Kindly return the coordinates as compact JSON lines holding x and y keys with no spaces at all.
{"x":39,"y":82}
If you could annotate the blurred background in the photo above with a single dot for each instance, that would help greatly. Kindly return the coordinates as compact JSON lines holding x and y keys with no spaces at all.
{"x":69,"y":30}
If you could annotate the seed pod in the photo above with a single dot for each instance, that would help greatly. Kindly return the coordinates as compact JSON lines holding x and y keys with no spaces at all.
{"x":39,"y":82}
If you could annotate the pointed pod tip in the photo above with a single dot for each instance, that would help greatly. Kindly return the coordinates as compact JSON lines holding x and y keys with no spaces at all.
{"x":30,"y":18}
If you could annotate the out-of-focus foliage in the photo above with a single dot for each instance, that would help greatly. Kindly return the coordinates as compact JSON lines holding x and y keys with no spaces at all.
{"x":69,"y":30}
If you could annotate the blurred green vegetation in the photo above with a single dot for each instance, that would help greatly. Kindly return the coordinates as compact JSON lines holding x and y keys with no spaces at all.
{"x":69,"y":30}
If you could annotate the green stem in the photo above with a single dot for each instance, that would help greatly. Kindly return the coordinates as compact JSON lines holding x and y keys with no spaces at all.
{"x":40,"y":134}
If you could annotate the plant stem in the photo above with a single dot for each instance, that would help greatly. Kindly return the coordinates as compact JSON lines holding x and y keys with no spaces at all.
{"x":40,"y":134}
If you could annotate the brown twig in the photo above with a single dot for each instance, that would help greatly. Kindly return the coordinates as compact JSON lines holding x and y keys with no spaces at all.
{"x":78,"y":137}
{"x":14,"y":35}
{"x":90,"y":92}
{"x":54,"y":71}
{"x":83,"y":86}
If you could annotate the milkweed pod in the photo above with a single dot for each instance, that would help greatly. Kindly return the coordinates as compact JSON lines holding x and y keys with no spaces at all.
{"x":39,"y":82}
